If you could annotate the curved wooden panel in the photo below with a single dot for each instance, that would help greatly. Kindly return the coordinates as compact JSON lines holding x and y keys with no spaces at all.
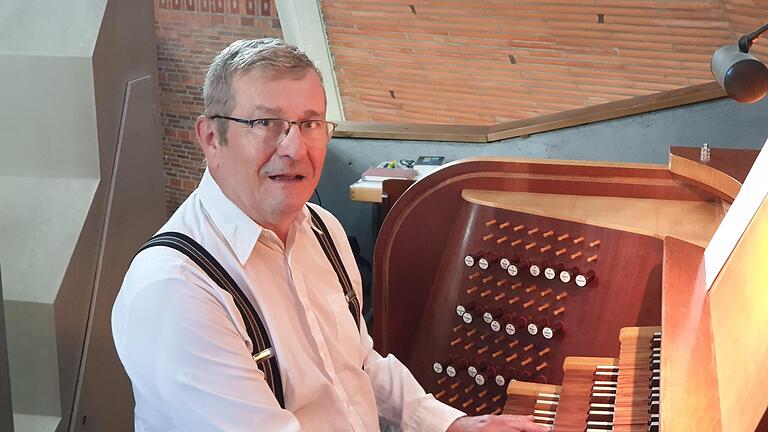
{"x":722,"y":174}
{"x":414,"y":233}
{"x":421,"y":280}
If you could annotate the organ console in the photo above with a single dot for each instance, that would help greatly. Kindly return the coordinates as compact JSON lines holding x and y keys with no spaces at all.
{"x":542,"y":287}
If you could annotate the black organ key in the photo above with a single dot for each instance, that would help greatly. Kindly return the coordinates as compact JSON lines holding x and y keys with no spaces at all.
{"x":653,"y":407}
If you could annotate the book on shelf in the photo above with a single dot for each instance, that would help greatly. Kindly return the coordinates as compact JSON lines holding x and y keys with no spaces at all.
{"x":381,"y":174}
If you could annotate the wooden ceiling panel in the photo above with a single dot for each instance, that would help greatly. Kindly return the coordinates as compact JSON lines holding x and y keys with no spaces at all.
{"x":482,"y":62}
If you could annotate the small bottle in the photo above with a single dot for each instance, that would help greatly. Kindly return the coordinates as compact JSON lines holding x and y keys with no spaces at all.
{"x":705,"y":153}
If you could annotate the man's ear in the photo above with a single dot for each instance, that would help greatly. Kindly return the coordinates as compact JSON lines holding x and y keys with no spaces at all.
{"x":207,"y":136}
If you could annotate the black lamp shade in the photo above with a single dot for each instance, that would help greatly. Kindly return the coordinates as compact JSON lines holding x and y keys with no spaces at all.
{"x":743,"y":77}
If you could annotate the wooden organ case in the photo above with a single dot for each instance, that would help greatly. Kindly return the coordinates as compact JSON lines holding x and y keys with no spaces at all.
{"x":497,"y":271}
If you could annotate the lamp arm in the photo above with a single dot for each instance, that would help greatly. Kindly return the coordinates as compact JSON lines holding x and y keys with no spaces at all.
{"x":746,"y":41}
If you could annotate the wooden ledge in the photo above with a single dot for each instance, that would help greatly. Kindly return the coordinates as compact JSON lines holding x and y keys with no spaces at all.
{"x":723,"y":174}
{"x":545,"y":123}
{"x":693,"y":221}
{"x":417,"y":132}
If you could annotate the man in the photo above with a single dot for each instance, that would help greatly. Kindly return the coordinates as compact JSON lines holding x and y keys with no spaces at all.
{"x":181,"y":337}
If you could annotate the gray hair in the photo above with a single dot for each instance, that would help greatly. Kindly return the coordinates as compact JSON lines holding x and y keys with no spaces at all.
{"x":269,"y":54}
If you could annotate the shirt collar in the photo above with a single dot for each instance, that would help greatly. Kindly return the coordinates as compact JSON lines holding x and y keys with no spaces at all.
{"x":239,"y":230}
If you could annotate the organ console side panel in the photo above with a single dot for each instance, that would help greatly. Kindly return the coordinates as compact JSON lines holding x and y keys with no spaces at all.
{"x":739,"y":315}
{"x":720,"y":331}
{"x":446,"y":293}
{"x":687,"y":362}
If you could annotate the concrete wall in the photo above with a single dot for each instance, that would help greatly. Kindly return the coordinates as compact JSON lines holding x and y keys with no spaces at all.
{"x":81,"y":188}
{"x":640,"y":138}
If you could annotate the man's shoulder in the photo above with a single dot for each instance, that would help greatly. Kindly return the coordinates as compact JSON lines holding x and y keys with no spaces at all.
{"x":163,"y":263}
{"x":155,"y":264}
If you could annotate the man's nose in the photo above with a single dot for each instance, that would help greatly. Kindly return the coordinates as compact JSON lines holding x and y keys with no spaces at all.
{"x":293,"y":145}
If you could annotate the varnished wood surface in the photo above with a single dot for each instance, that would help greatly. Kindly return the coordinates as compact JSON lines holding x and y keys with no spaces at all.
{"x":405,"y":262}
{"x":735,"y":163}
{"x":739,"y":314}
{"x":625,"y":292}
{"x":689,"y":395}
{"x":430,"y":215}
{"x":608,"y":111}
{"x":693,"y":221}
{"x":532,"y":389}
{"x":723,"y":174}
{"x":416,"y":132}
{"x":529,"y":126}
{"x":405,"y":258}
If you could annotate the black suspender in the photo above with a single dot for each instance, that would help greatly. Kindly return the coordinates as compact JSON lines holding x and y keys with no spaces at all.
{"x":326,"y":242}
{"x":263,"y":353}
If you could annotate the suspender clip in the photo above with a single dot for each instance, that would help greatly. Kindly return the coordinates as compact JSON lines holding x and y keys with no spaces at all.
{"x":263,"y":356}
{"x":350,"y":296}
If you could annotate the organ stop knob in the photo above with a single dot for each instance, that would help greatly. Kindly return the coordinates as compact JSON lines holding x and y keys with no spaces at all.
{"x":535,"y":269}
{"x":517,"y":265}
{"x":440,"y":366}
{"x":533,"y":327}
{"x":464,"y":308}
{"x":585,"y":279}
{"x":476,"y":368}
{"x":550,"y":332}
{"x":491,"y":314}
{"x":457,"y":365}
{"x":514,"y":324}
{"x":504,"y":263}
{"x":489,"y":258}
{"x":503,"y":378}
{"x":471,"y":259}
{"x":485,"y":376}
{"x":568,"y":275}
{"x":549,"y":270}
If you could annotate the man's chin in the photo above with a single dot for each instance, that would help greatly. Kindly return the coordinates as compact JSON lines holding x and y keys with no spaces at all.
{"x":293,"y":205}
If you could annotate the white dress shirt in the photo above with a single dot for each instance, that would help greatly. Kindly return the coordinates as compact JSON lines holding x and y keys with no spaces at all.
{"x":183,"y":343}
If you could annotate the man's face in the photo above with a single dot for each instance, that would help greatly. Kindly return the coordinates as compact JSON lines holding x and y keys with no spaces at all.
{"x":271,"y":182}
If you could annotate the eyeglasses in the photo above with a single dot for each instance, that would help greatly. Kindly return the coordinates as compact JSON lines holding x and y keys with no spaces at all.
{"x":274,"y":130}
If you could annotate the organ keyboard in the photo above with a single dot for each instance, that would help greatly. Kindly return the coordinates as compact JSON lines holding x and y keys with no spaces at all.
{"x":605,"y":394}
{"x":521,"y":267}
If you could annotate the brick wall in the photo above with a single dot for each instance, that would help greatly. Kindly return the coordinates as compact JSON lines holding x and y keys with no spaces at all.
{"x":485,"y":62}
{"x":189,"y":34}
{"x":455,"y":63}
{"x":746,"y":16}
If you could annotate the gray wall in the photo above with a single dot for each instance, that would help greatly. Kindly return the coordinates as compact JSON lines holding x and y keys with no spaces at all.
{"x":640,"y":138}
{"x":81,"y":187}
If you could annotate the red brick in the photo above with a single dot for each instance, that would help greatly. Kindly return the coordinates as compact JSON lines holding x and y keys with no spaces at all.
{"x":187,"y":41}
